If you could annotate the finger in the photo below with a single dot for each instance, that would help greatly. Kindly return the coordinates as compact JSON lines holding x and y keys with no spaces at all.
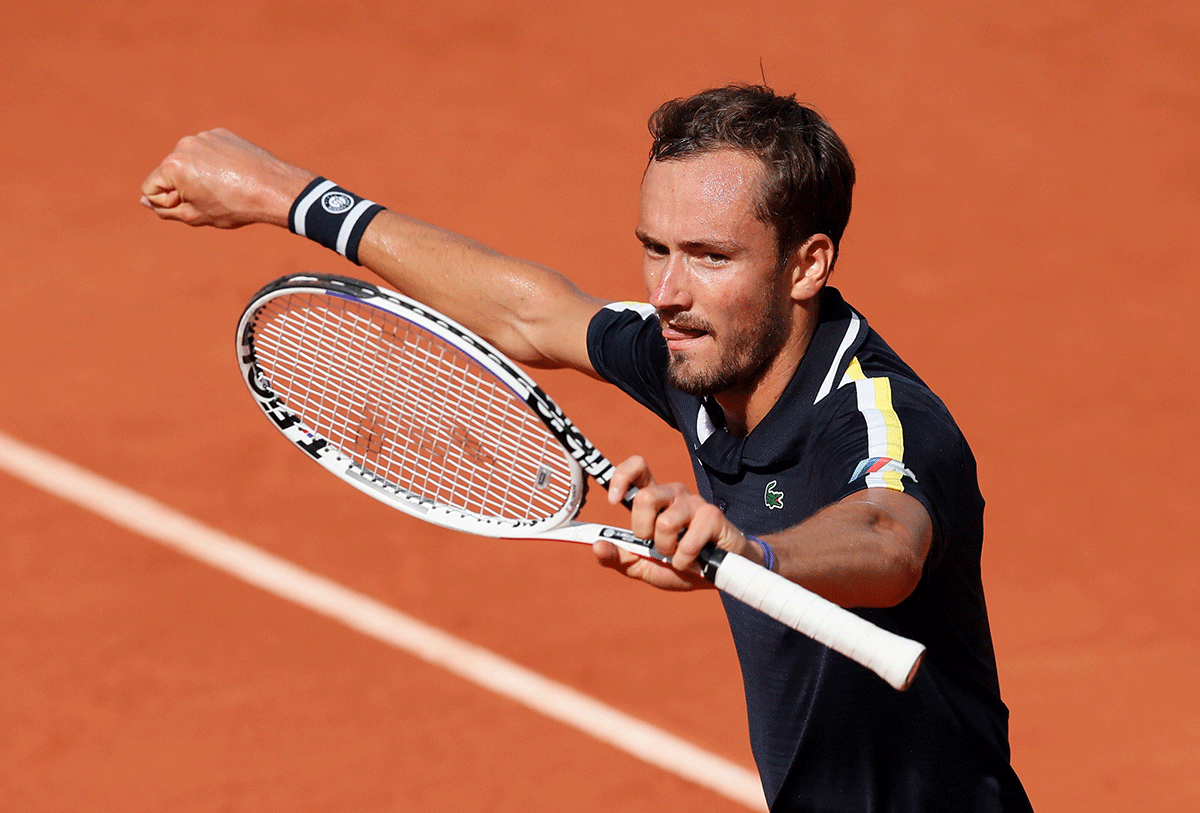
{"x":648,"y":570}
{"x":163,"y":199}
{"x":706,"y":523}
{"x":156,"y":183}
{"x":170,"y":206}
{"x":647,"y":505}
{"x":672,"y":521}
{"x":607,"y":553}
{"x":632,"y":473}
{"x":610,"y":556}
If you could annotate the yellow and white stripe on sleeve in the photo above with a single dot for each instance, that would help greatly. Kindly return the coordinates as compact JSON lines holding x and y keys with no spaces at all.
{"x":885,"y":434}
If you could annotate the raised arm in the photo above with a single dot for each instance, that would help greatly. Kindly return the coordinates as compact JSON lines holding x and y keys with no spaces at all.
{"x":532,"y":313}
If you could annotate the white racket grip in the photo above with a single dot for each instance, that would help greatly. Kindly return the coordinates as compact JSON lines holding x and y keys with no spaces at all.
{"x":894,"y":658}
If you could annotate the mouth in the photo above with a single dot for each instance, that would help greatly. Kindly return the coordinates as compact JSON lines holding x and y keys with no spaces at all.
{"x":682,"y":333}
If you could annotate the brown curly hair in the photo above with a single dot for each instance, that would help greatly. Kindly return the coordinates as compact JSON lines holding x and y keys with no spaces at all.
{"x":809,"y":176}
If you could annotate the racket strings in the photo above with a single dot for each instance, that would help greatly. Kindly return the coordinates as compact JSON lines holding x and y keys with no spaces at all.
{"x":367,"y":444}
{"x":371,"y":436}
{"x":413,"y":412}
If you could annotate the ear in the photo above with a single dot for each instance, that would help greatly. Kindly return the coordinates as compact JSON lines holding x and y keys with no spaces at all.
{"x":810,"y":266}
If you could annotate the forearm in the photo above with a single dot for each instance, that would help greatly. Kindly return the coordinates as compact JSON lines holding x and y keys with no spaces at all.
{"x":865,"y":551}
{"x":532,"y":313}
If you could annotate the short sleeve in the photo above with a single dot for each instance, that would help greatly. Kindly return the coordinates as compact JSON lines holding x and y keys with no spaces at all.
{"x":626,"y":348}
{"x":888,"y":434}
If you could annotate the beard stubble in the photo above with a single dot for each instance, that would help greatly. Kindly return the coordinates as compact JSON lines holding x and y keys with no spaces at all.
{"x":745,"y":354}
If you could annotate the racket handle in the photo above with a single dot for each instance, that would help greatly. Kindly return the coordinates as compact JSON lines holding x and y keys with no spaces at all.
{"x":894,"y":658}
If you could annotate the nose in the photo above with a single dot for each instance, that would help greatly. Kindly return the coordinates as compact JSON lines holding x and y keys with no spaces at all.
{"x":666,"y":283}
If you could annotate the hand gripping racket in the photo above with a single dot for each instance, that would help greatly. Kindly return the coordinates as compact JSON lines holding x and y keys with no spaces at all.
{"x":415,"y":410}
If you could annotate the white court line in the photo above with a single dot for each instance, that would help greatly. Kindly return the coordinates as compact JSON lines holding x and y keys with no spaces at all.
{"x":156,"y":521}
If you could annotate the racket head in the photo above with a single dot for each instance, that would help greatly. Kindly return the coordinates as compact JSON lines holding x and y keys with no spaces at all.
{"x":409,"y":407}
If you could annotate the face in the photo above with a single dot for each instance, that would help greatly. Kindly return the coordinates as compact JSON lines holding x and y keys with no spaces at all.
{"x":712,"y":270}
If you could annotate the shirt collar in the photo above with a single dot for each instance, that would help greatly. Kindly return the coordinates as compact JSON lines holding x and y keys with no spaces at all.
{"x":840,"y":332}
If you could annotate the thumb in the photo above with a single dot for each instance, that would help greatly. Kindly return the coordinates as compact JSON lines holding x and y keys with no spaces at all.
{"x":163,"y":199}
{"x":159,"y":191}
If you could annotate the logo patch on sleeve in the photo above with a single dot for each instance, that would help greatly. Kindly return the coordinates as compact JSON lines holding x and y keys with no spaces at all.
{"x":876,"y":465}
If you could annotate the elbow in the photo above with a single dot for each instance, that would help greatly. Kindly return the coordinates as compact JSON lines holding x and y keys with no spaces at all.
{"x":902,"y":540}
{"x":902,"y":566}
{"x":903,"y":575}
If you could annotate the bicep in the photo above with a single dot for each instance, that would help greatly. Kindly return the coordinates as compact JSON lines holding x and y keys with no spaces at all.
{"x":899,"y":518}
{"x":553,"y":327}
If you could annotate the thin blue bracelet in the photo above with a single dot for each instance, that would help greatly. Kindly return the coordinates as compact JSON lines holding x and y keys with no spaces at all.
{"x":768,"y":554}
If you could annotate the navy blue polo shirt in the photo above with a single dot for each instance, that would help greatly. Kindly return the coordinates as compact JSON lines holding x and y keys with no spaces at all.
{"x":826,"y":733}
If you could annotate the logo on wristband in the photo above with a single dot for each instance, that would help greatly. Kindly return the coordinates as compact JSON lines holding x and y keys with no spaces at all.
{"x":336,"y":203}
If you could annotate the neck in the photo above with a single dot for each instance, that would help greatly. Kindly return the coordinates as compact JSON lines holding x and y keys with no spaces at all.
{"x":745,"y":406}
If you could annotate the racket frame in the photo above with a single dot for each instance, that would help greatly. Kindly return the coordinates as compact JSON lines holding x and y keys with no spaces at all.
{"x":584,"y":458}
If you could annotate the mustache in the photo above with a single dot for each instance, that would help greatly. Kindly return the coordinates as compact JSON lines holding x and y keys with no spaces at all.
{"x":683,"y":320}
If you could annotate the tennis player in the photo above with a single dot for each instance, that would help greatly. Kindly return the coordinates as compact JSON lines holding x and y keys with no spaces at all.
{"x":816,"y":450}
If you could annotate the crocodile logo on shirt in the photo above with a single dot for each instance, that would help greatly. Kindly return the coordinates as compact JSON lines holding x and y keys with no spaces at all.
{"x":773,"y":498}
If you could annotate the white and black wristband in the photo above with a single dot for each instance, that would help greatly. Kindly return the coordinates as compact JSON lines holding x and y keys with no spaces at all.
{"x":333,"y":217}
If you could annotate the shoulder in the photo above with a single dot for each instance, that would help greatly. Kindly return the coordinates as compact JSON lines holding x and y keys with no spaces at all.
{"x":891,"y":413}
{"x":624,"y":335}
{"x":618,"y":325}
{"x":884,"y":428}
{"x":626,"y":348}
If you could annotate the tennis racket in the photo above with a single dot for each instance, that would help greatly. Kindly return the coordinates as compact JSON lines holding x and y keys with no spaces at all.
{"x":416,"y":411}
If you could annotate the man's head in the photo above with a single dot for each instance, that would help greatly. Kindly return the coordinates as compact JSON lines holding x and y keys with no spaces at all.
{"x":808,"y":178}
{"x":742,"y":205}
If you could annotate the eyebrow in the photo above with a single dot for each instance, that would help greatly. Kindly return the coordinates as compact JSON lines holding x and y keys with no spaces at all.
{"x":714,"y":246}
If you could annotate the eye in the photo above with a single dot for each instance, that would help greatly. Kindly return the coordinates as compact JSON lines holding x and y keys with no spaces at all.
{"x":715,"y":258}
{"x":655,"y":249}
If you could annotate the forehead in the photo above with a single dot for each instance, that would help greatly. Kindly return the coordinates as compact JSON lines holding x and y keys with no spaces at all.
{"x":711,"y":192}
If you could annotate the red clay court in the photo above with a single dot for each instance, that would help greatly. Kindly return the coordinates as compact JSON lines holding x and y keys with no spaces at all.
{"x":1024,"y":233}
